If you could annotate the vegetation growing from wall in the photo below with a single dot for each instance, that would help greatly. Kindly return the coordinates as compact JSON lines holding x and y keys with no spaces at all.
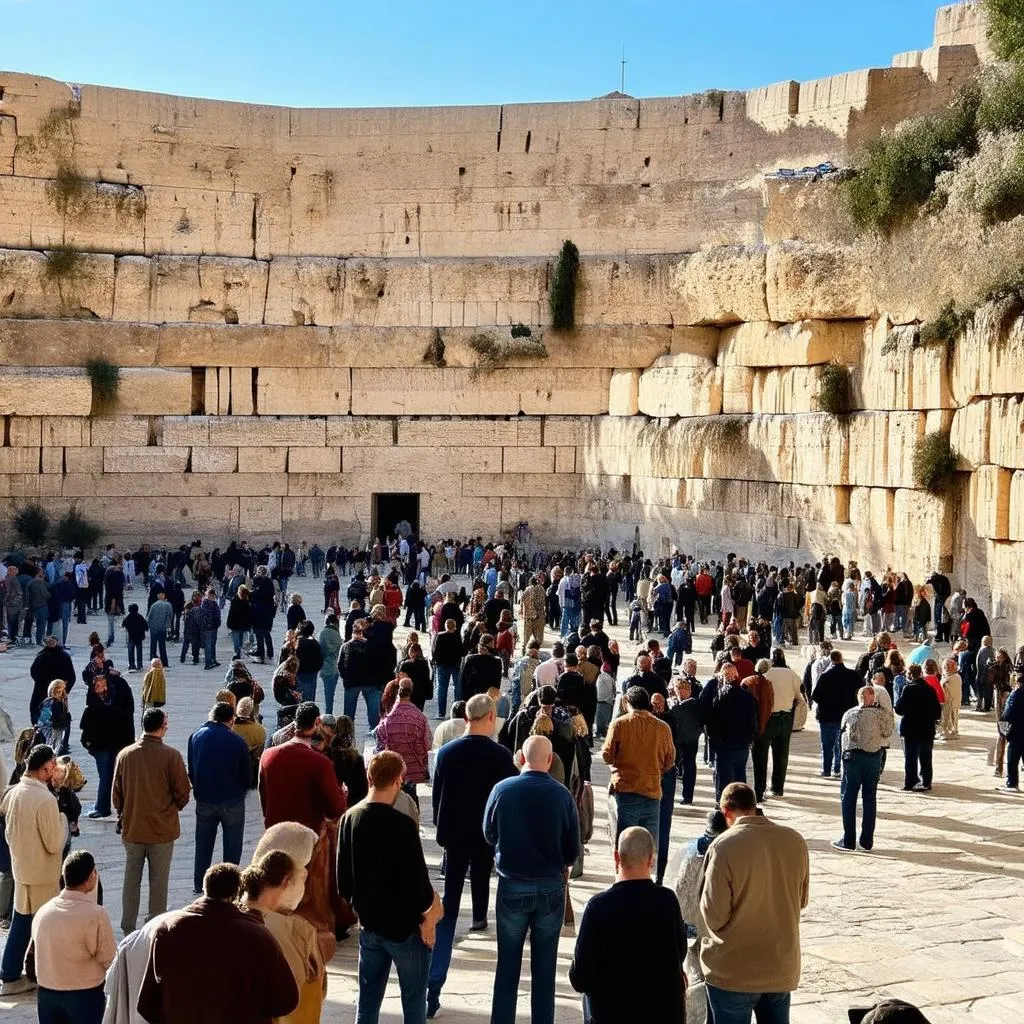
{"x":32,"y":523}
{"x":494,"y":352}
{"x":434,"y":354}
{"x":563,"y":288}
{"x":1001,"y":198}
{"x":946,"y":327}
{"x":105,"y":377}
{"x":69,"y":192}
{"x":717,"y":431}
{"x":521,"y":331}
{"x":74,"y":530}
{"x":63,"y":263}
{"x":1005,"y":28}
{"x":934,"y":463}
{"x":834,"y":390}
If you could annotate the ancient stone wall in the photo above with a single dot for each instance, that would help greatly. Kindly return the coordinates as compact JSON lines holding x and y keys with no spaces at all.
{"x":299,"y":301}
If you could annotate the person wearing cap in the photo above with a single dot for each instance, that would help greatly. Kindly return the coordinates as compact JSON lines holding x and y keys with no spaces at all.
{"x":219,"y":768}
{"x":467,"y":769}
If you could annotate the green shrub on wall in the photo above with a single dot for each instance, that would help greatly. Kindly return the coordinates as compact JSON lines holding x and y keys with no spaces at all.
{"x":835,"y":394}
{"x":74,"y":530}
{"x":946,"y":327}
{"x":105,"y":377}
{"x":1005,"y":28}
{"x":563,"y":288}
{"x":32,"y":523}
{"x":934,"y":463}
{"x":63,"y":263}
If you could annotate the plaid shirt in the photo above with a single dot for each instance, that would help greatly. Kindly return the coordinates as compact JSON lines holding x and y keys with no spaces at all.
{"x":406,"y":731}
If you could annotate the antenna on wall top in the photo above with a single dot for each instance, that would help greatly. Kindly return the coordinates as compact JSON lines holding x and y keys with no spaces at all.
{"x":622,"y":71}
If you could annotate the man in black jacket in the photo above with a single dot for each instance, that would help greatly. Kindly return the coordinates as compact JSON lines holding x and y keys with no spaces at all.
{"x":635,"y":921}
{"x":52,"y":662}
{"x":356,"y":677}
{"x":594,"y":594}
{"x":730,"y":714}
{"x":919,"y":708}
{"x":834,"y":694}
{"x":646,"y":677}
{"x":481,"y":671}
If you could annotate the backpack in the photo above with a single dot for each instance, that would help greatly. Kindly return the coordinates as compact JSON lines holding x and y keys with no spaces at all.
{"x":573,"y":594}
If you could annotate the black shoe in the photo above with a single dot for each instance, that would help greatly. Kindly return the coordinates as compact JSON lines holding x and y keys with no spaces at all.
{"x":910,"y":789}
{"x":433,"y":1002}
{"x":479,"y":926}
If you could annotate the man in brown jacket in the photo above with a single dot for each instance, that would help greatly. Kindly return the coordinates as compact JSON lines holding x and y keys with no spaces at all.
{"x":756,"y":879}
{"x":640,"y":750}
{"x":198,"y":955}
{"x":150,"y":787}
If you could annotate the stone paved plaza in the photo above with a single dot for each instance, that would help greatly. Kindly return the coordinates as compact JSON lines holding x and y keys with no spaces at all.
{"x":934,"y":915}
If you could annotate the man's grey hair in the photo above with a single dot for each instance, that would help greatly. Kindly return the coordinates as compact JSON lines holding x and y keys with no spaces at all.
{"x":479,"y":706}
{"x":762,"y":666}
{"x":635,"y":846}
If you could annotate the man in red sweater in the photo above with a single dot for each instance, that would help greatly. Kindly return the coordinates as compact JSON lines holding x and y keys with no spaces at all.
{"x":297,"y":783}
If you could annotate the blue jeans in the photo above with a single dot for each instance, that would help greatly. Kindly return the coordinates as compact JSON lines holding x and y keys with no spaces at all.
{"x":158,"y":643}
{"x":442,"y":675}
{"x":570,"y":620}
{"x":861,"y":772}
{"x":236,"y":641}
{"x":458,"y":862}
{"x":84,"y":1006}
{"x":65,"y":621}
{"x":411,"y":958}
{"x":829,"y":747}
{"x":848,"y":613}
{"x":40,"y":615}
{"x":372,"y":697}
{"x":307,"y":685}
{"x":537,"y":908}
{"x":135,"y":654}
{"x":208,"y":637}
{"x":231,"y":818}
{"x":668,"y":796}
{"x":330,"y":681}
{"x":730,"y":766}
{"x":737,"y":1007}
{"x":104,"y":778}
{"x":18,"y":938}
{"x":634,"y":809}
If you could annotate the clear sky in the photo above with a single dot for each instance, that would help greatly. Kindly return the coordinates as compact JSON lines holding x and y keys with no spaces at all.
{"x":417,"y":52}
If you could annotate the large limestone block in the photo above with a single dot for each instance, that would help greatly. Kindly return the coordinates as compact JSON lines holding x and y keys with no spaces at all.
{"x":67,"y":431}
{"x":182,"y":289}
{"x":678,"y":386}
{"x":808,"y":343}
{"x":216,"y":400}
{"x":130,"y":431}
{"x":185,"y":431}
{"x":528,"y":460}
{"x":305,"y":290}
{"x":242,"y":345}
{"x":56,"y":284}
{"x":814,"y":282}
{"x":623,"y":394}
{"x":697,"y":344}
{"x":721,"y":286}
{"x":45,"y":390}
{"x":240,"y":382}
{"x":817,"y":504}
{"x":145,"y":460}
{"x":541,"y":513}
{"x":72,"y":342}
{"x":214,"y":460}
{"x":930,"y":378}
{"x":436,"y":512}
{"x":1006,"y":423}
{"x":883,"y":379}
{"x":257,"y":431}
{"x":562,"y":391}
{"x":175,"y":485}
{"x":990,"y":502}
{"x":988,"y":358}
{"x":195,"y":221}
{"x":869,"y":449}
{"x":565,"y":459}
{"x":793,"y":389}
{"x":1008,"y":360}
{"x":154,"y":392}
{"x":970,"y":434}
{"x":529,"y":431}
{"x":562,"y":430}
{"x":364,"y":432}
{"x":1016,"y":516}
{"x":737,"y":389}
{"x":347,"y":518}
{"x":20,"y":460}
{"x":314,"y":460}
{"x":263,"y":459}
{"x":83,"y":460}
{"x":400,"y":461}
{"x":524,"y":485}
{"x":26,"y":431}
{"x":873,"y":509}
{"x":119,"y":520}
{"x":260,"y":517}
{"x":429,"y":391}
{"x":282,"y":391}
{"x":905,"y":430}
{"x":821,"y":450}
{"x":923,"y":531}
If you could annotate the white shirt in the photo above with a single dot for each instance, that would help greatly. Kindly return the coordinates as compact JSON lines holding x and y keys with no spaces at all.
{"x":547,"y":673}
{"x":785,"y":688}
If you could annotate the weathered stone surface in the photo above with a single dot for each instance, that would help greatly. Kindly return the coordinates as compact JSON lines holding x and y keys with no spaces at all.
{"x":291,"y":392}
{"x":263,"y":459}
{"x":721,"y":286}
{"x":314,"y":460}
{"x":145,"y":460}
{"x":810,"y":282}
{"x":19,"y":460}
{"x":25,"y":431}
{"x":69,"y":431}
{"x":363,"y":432}
{"x":737,"y":389}
{"x":214,"y":460}
{"x":678,"y":386}
{"x":990,"y":502}
{"x":528,"y":460}
{"x":305,"y":291}
{"x":258,"y":431}
{"x":56,"y":284}
{"x":154,"y":392}
{"x":969,"y":436}
{"x":808,"y":343}
{"x":45,"y":390}
{"x":623,"y":394}
{"x":793,"y":389}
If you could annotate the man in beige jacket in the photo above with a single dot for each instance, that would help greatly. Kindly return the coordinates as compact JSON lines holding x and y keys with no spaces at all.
{"x":36,"y":834}
{"x":756,"y":880}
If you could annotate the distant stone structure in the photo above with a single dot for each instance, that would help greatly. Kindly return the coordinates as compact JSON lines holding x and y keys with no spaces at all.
{"x":300,"y":303}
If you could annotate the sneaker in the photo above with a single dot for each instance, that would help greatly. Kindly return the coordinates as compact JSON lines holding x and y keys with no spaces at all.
{"x":97,"y":814}
{"x":838,"y":844}
{"x":865,"y":849}
{"x":433,"y":1002}
{"x":922,"y":788}
{"x":17,"y":987}
{"x":479,"y":926}
{"x":837,"y":775}
{"x":1007,"y":789}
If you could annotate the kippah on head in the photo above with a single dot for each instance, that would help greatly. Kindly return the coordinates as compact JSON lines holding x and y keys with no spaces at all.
{"x":306,"y":715}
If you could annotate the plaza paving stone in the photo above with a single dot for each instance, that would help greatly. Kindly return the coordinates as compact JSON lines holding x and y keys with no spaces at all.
{"x":934,"y":915}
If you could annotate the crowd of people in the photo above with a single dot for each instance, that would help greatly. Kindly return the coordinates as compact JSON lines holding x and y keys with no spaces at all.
{"x":508,"y":769}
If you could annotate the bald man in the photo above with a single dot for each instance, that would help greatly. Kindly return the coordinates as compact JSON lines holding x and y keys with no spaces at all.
{"x":532,"y":823}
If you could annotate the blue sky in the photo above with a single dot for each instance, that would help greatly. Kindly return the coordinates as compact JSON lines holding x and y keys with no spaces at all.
{"x":344,"y":53}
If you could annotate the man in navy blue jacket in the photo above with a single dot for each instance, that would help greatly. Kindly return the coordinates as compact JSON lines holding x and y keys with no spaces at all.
{"x":467,"y":769}
{"x":531,"y":821}
{"x":218,"y":768}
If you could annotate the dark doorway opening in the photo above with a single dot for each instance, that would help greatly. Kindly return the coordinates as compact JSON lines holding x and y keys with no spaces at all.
{"x":391,"y":509}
